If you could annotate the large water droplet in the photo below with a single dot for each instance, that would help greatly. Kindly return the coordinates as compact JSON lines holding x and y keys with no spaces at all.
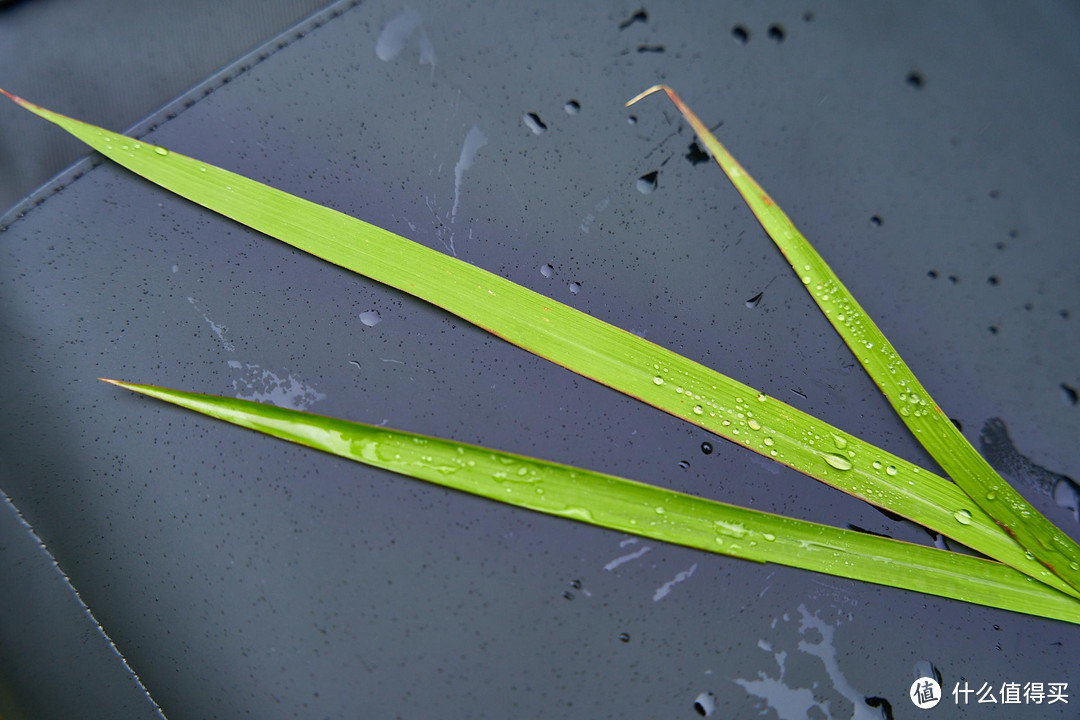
{"x":754,"y":424}
{"x":534,"y":123}
{"x":838,"y":441}
{"x":706,"y":447}
{"x":753,"y":302}
{"x":891,"y":470}
{"x":963,"y":517}
{"x":371,"y":318}
{"x":705,"y":704}
{"x":647,"y":183}
{"x":658,"y":380}
{"x":838,"y":462}
{"x":160,"y":150}
{"x":575,"y":287}
{"x":698,"y":410}
{"x":572,"y":107}
{"x":547,"y":270}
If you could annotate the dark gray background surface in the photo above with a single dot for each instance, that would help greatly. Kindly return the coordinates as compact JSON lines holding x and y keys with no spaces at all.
{"x":239,"y":575}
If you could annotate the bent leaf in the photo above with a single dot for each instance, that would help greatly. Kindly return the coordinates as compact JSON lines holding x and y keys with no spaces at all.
{"x":930,"y":426}
{"x":640,"y":509}
{"x":577,"y":341}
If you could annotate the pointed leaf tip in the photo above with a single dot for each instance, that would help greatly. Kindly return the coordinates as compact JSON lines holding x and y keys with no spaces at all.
{"x":646,"y":93}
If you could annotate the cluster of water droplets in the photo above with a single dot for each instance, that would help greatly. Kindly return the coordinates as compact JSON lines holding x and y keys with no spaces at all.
{"x":740,"y":422}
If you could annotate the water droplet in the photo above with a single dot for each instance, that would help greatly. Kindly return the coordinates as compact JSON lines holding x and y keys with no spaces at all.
{"x":371,"y":318}
{"x":838,"y":462}
{"x":632,"y":120}
{"x":576,"y":584}
{"x":768,"y":536}
{"x":839,"y":441}
{"x":684,"y":464}
{"x":575,"y":287}
{"x":769,"y":441}
{"x":658,"y":380}
{"x":735,"y":530}
{"x":891,"y":470}
{"x":1029,"y":555}
{"x":706,"y":447}
{"x":754,"y":424}
{"x":991,"y":495}
{"x":547,"y":270}
{"x":625,"y":637}
{"x":963,"y":517}
{"x":160,"y":150}
{"x":762,"y":397}
{"x":753,"y":302}
{"x":647,"y":182}
{"x":202,"y":168}
{"x":572,"y":107}
{"x":698,"y":410}
{"x":705,"y":704}
{"x":534,"y":123}
{"x":876,"y":465}
{"x":568,"y":595}
{"x":659,"y":510}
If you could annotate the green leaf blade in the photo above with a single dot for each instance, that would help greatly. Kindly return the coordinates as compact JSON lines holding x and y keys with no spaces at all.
{"x":645,"y":510}
{"x":911,"y":401}
{"x":572,"y":339}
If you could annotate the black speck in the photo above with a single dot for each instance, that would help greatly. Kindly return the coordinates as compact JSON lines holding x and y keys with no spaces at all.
{"x":576,"y":584}
{"x":1029,"y":307}
{"x":954,"y":279}
{"x":916,"y":79}
{"x":1064,"y":314}
{"x":808,"y":16}
{"x":993,"y":280}
{"x":995,"y":194}
{"x":568,"y":595}
{"x":932,"y":274}
{"x":650,"y":48}
{"x":876,"y":221}
{"x":999,"y":245}
{"x":1070,"y":394}
{"x":696,"y":154}
{"x":994,"y":329}
{"x":641,"y":16}
{"x":777,"y":33}
{"x":1014,"y":233}
{"x":740,"y":33}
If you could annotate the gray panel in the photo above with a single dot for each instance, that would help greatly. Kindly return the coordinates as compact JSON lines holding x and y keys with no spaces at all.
{"x":240,"y":575}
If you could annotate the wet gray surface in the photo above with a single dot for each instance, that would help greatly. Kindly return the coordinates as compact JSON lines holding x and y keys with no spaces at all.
{"x":239,"y":575}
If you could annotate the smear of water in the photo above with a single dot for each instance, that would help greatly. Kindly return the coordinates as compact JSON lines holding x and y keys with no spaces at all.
{"x":797,"y":703}
{"x":474,"y":140}
{"x":626,"y":558}
{"x":998,"y":449}
{"x":218,"y":329}
{"x":394,"y":34}
{"x":262,"y":385}
{"x":665,"y":589}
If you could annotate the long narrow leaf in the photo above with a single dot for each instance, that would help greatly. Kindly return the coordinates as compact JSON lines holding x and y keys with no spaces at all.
{"x":931,"y":427}
{"x":575,"y":340}
{"x":640,"y":509}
